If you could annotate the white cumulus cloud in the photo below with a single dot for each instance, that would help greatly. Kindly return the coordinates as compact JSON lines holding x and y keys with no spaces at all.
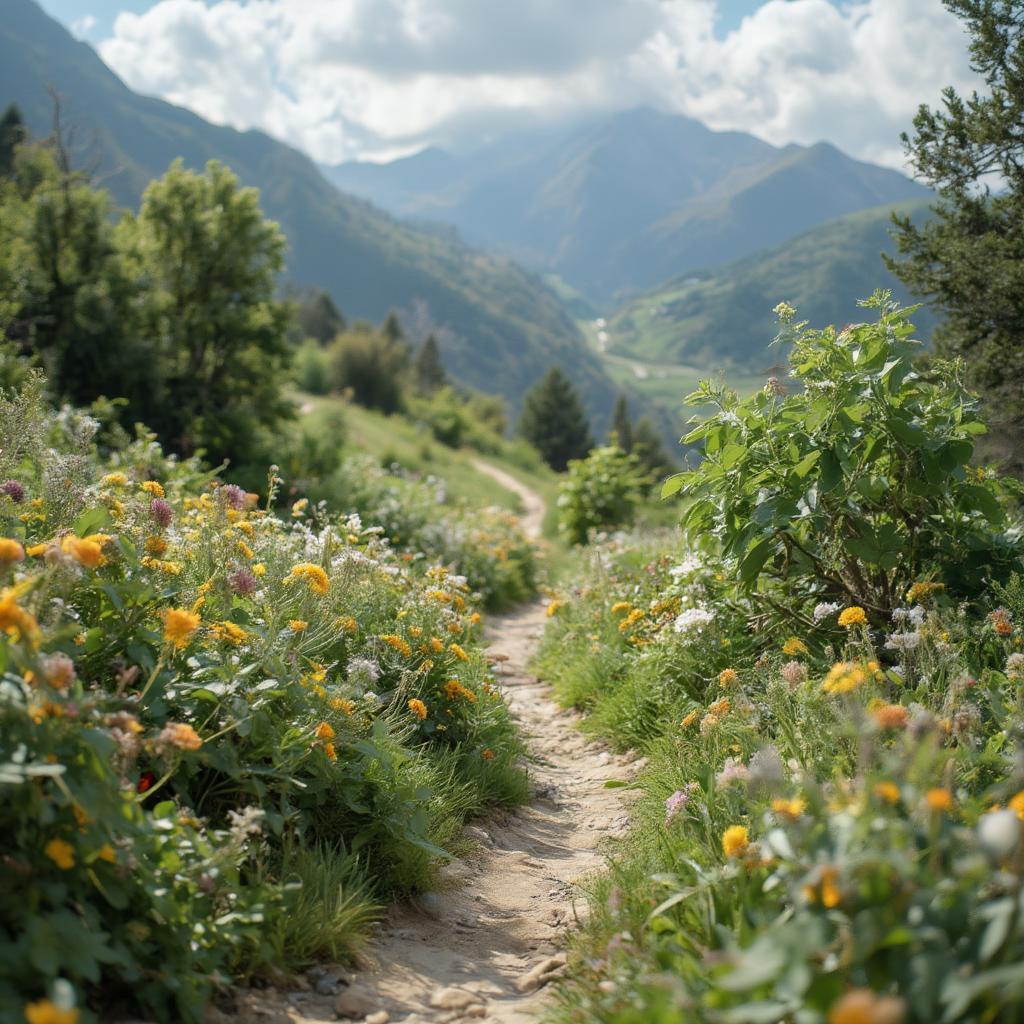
{"x":346,"y":78}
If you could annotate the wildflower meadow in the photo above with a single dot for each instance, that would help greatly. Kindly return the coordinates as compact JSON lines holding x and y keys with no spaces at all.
{"x":230,"y":728}
{"x":824,"y":675}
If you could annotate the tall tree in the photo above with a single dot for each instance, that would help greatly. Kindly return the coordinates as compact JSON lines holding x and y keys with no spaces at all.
{"x":429,"y":370}
{"x":969,"y":259}
{"x":12,"y":135}
{"x":209,"y":264}
{"x":392,"y":327}
{"x":317,"y":316}
{"x":622,"y":425}
{"x":65,"y":293}
{"x":650,"y":451}
{"x":371,"y":365}
{"x":554,"y":422}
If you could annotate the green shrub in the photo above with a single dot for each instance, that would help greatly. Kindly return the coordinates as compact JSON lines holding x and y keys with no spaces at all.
{"x":856,"y":485}
{"x":599,"y":492}
{"x":312,"y":369}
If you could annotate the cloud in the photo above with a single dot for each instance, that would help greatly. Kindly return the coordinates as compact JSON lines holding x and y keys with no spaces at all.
{"x":345,"y":78}
{"x":81,"y":27}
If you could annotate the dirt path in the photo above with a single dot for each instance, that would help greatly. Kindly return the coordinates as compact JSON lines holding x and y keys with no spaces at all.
{"x":486,"y":943}
{"x":532,"y":515}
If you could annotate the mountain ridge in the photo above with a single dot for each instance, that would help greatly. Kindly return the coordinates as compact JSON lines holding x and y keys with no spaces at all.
{"x":622,"y":202}
{"x":500,"y":325}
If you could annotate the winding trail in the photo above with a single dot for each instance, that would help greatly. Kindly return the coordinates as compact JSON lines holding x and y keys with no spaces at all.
{"x":487,"y":942}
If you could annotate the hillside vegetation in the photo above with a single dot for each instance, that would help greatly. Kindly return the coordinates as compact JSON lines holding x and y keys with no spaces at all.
{"x":628,"y":200}
{"x":502,"y":325}
{"x":720,"y":319}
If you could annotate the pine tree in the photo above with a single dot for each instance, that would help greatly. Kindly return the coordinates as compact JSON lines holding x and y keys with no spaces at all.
{"x":392,"y":327}
{"x":649,"y":450}
{"x":429,"y":370}
{"x":12,"y":134}
{"x":554,"y":422}
{"x":622,"y":425}
{"x":318,"y":316}
{"x":969,"y":258}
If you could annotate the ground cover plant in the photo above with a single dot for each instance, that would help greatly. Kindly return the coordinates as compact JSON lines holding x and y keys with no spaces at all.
{"x":228,"y":729}
{"x":829,"y":826}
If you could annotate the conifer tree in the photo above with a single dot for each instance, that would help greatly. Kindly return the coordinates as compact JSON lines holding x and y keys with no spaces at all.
{"x":429,"y":370}
{"x":554,"y":422}
{"x":649,"y":450}
{"x":622,"y":426}
{"x":12,"y":134}
{"x":969,"y":258}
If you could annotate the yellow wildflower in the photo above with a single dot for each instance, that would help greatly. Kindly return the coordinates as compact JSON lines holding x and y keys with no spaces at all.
{"x":794,"y":646}
{"x":15,"y":621}
{"x":229,"y":632}
{"x":11,"y":550}
{"x":332,"y":754}
{"x":86,"y":551}
{"x":554,"y":607}
{"x":436,"y":644}
{"x":259,"y":569}
{"x":179,"y":625}
{"x":36,"y":550}
{"x":458,"y":652}
{"x":1016,"y":804}
{"x":297,"y":625}
{"x":46,"y":1012}
{"x":890,"y":716}
{"x":346,"y":623}
{"x":106,"y":852}
{"x":791,"y":809}
{"x":153,"y":488}
{"x":314,"y":575}
{"x":346,"y":707}
{"x":728,"y":677}
{"x":939,"y":799}
{"x":180,"y":735}
{"x":300,"y":507}
{"x":920,"y":592}
{"x":62,"y":853}
{"x":397,"y":643}
{"x":735,"y":841}
{"x":114,"y":480}
{"x":155,"y":545}
{"x":418,"y":708}
{"x":621,"y":607}
{"x":324,"y":731}
{"x":245,"y":549}
{"x":844,"y":677}
{"x":689,"y":719}
{"x":854,"y":616}
{"x":887,"y":791}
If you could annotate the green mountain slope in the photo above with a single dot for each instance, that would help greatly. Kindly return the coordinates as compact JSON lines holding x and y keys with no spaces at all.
{"x":626,"y":201}
{"x":722,"y":319}
{"x":501,"y":325}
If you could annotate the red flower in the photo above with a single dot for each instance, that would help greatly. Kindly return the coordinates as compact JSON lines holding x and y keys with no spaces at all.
{"x":146,"y":781}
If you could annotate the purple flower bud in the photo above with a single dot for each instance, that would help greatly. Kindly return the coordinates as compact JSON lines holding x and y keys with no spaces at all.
{"x":233,"y":496}
{"x":241,"y":581}
{"x":161,"y":511}
{"x":14,"y":490}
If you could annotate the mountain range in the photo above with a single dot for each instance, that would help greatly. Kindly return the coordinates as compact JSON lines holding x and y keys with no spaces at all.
{"x":722,"y":318}
{"x":500,"y":326}
{"x":624,"y":202}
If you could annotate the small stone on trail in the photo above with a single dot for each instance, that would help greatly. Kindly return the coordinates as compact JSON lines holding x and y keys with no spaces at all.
{"x":431,"y":904}
{"x":380,"y":1017}
{"x":355,"y":1003}
{"x":454,"y":999}
{"x":539,"y":975}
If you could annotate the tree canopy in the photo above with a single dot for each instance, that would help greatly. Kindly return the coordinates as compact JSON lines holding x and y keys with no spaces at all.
{"x":554,"y":422}
{"x":969,"y":259}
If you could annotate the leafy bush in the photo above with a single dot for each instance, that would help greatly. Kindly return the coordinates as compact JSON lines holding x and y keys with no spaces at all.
{"x":858,"y":484}
{"x":312,"y":370}
{"x":826,"y":680}
{"x":203,"y":703}
{"x":371,"y":366}
{"x":599,"y":492}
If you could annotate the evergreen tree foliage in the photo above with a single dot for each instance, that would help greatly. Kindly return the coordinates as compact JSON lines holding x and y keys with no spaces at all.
{"x":554,"y":422}
{"x":622,"y":425}
{"x":392,"y":327}
{"x":969,"y":259}
{"x":428,"y":369}
{"x":209,"y":263}
{"x":317,"y":316}
{"x":650,"y":451}
{"x":12,"y":134}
